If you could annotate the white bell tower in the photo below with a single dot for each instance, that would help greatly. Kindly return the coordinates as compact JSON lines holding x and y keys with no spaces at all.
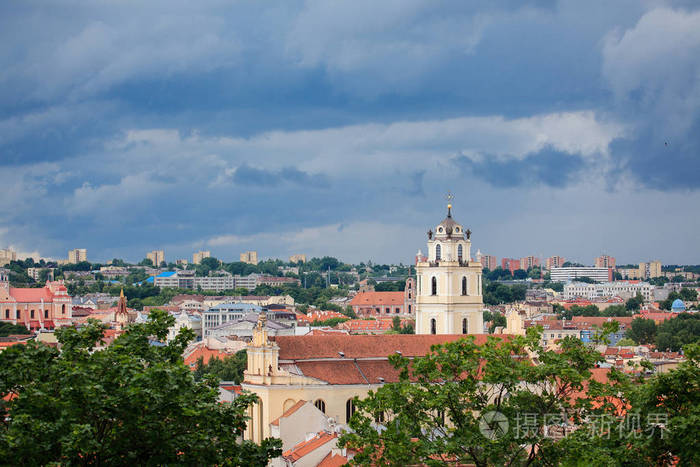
{"x":448,"y":294}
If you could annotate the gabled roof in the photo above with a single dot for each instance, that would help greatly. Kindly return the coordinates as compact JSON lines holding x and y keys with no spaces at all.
{"x":31,"y":295}
{"x":306,"y":447}
{"x":333,"y":460}
{"x":288,"y":412}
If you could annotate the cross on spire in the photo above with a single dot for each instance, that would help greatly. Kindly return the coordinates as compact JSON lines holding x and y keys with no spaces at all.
{"x":449,"y":197}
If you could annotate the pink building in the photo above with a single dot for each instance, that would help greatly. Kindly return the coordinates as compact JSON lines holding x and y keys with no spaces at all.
{"x":35,"y":308}
{"x":511,"y":264}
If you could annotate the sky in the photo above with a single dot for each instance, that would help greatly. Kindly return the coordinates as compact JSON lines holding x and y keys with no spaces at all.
{"x":337,"y":127}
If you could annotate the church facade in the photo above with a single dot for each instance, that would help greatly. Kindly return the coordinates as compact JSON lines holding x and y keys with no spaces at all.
{"x":449,"y":296}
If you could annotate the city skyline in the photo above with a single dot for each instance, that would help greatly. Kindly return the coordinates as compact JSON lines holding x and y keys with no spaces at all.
{"x":562,"y":129}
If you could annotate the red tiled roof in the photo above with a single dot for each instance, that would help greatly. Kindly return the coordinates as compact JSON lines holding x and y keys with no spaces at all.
{"x":10,"y":344}
{"x":377,"y":299}
{"x":206,"y":354}
{"x":359,"y":346}
{"x":288,"y":412}
{"x":305,"y":447}
{"x":599,"y":320}
{"x":31,"y":295}
{"x":333,"y":460}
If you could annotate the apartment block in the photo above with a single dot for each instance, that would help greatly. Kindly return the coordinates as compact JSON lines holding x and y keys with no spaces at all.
{"x":77,"y":256}
{"x":555,"y":262}
{"x":199,"y":256}
{"x":156,"y":256}
{"x":6,"y":256}
{"x":605,"y":261}
{"x":297,"y":259}
{"x":649,"y":270}
{"x":511,"y":264}
{"x":529,"y":262}
{"x":250,"y":257}
{"x":487,"y":261}
{"x":623,"y":289}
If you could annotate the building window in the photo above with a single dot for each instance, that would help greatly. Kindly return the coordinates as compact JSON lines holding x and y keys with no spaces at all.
{"x":7,"y":313}
{"x":349,"y":410}
{"x":46,"y":314}
{"x":433,"y":326}
{"x":379,"y":418}
{"x":63,"y":309}
{"x":31,"y":314}
{"x":438,"y":252}
{"x":464,"y":325}
{"x":388,"y":310}
{"x":17,"y":314}
{"x":320,"y":405}
{"x":409,"y":308}
{"x":434,"y":286}
{"x":464,"y":286}
{"x":459,"y":252}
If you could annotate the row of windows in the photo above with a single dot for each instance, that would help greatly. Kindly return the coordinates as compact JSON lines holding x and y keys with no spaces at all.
{"x":31,"y":313}
{"x":433,"y":289}
{"x":433,"y":326}
{"x":349,"y":408}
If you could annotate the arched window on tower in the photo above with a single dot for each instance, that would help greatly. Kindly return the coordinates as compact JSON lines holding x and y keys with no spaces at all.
{"x":459,"y":252}
{"x":438,"y":252}
{"x":464,"y":285}
{"x":434,"y":286}
{"x":464,"y":325}
{"x":433,"y":326}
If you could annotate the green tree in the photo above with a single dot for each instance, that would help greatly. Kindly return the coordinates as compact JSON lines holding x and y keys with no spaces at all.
{"x":626,"y":341}
{"x":131,"y":403}
{"x":7,"y":329}
{"x":688,"y":295}
{"x":230,"y":368}
{"x":437,"y":411}
{"x":676,"y":332}
{"x":635,"y":303}
{"x":642,"y":331}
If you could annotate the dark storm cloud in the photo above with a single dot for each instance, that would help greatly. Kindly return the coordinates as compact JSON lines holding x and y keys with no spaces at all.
{"x":547,"y":166}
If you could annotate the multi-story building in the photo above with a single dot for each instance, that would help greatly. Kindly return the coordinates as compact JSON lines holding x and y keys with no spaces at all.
{"x":77,"y":256}
{"x":157,"y":257}
{"x":111,"y":272}
{"x":6,"y":256}
{"x":605,"y":261}
{"x":35,"y":308}
{"x":182,"y":262}
{"x":297,"y":259}
{"x":555,"y":262}
{"x":649,"y":270}
{"x":224,"y":313}
{"x":250,"y":257}
{"x":35,"y":273}
{"x":529,"y":262}
{"x":199,"y":256}
{"x":487,"y":261}
{"x":510,"y":264}
{"x":622,"y":289}
{"x":577,"y":272}
{"x":628,"y":273}
{"x":185,"y":279}
{"x":448,"y":291}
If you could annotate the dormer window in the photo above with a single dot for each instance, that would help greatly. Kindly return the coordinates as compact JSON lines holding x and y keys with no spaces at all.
{"x":440,"y":229}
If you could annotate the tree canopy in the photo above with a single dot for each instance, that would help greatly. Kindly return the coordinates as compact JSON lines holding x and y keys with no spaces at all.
{"x":130,"y":403}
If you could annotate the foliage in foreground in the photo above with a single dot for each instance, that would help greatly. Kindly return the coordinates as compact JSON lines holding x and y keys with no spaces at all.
{"x":440,"y":412}
{"x":131,"y":403}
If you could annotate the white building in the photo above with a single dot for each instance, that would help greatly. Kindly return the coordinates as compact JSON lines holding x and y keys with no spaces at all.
{"x":573,"y":273}
{"x":449,"y":297}
{"x":623,"y":289}
{"x":77,"y":256}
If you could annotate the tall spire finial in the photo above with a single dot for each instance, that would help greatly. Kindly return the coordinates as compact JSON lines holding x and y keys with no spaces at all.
{"x":449,"y":197}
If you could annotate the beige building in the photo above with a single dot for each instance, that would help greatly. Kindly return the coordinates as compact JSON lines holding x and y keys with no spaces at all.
{"x":156,"y":256}
{"x":649,"y":270}
{"x":77,"y":256}
{"x":487,"y":261}
{"x":6,"y":256}
{"x":448,"y":291}
{"x":297,"y":259}
{"x":199,"y":256}
{"x":250,"y":257}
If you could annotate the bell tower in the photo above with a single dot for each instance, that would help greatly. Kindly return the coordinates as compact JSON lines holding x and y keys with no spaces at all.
{"x":448,"y":291}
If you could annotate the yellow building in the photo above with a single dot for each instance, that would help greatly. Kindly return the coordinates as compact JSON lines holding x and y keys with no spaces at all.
{"x":199,"y":256}
{"x":327,"y":370}
{"x":77,"y":256}
{"x":156,"y":256}
{"x":649,"y":270}
{"x":297,"y":259}
{"x":449,"y":296}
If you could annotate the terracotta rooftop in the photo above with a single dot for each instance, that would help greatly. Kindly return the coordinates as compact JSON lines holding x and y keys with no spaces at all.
{"x":206,"y":354}
{"x":363,"y":346}
{"x":333,"y":460}
{"x":31,"y":295}
{"x":288,"y":412}
{"x":377,"y":298}
{"x":305,"y":447}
